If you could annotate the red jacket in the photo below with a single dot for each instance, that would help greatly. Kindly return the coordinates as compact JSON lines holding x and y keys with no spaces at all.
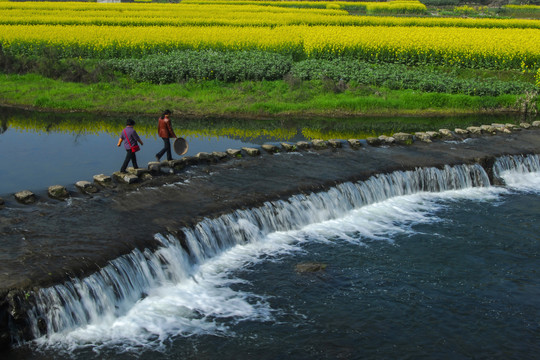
{"x":165,"y":128}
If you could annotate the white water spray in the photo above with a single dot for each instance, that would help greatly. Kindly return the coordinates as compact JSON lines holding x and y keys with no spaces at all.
{"x":192,"y":281}
{"x":521,"y":172}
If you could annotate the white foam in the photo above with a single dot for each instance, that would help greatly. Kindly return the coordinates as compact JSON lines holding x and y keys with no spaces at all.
{"x":198,"y":293}
{"x":522,"y":181}
{"x":200,"y":304}
{"x":383,"y":220}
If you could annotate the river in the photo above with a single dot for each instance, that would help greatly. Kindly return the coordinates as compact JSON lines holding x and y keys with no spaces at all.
{"x":428,"y":262}
{"x":445,"y":274}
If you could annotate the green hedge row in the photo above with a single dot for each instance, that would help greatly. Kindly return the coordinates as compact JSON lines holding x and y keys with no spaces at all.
{"x":257,"y":65}
{"x":205,"y":65}
{"x":398,"y":76}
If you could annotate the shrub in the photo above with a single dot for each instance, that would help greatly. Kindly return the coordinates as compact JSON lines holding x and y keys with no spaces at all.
{"x":229,"y":66}
{"x":397,"y":76}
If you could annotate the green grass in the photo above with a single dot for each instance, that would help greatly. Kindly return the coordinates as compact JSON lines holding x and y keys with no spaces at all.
{"x":212,"y":98}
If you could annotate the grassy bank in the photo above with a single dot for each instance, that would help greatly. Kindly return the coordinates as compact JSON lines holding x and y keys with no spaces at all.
{"x":243,"y":99}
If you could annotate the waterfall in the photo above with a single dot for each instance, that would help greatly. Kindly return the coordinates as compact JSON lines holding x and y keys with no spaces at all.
{"x":112,"y":291}
{"x":520,"y":164}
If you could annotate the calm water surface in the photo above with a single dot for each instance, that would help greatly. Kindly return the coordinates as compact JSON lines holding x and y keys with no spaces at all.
{"x":42,"y":149}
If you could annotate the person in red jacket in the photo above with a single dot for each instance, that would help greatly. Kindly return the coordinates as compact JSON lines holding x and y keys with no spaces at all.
{"x":165,"y":131}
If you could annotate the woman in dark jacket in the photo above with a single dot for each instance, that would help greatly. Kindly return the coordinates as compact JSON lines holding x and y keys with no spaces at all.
{"x":165,"y":131}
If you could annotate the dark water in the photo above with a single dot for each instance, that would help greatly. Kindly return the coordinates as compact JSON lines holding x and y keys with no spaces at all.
{"x":38,"y":150}
{"x":446,"y":275}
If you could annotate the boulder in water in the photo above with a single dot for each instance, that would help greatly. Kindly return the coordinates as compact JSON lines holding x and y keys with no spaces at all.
{"x":219,"y":155}
{"x":86,"y":187}
{"x":204,"y":157}
{"x":288,"y":147}
{"x":310,"y":267}
{"x":354,"y":143}
{"x":58,"y":192}
{"x":137,"y":172}
{"x":335,"y":143}
{"x":403,"y":138}
{"x":234,"y":152}
{"x":103,"y":179}
{"x":154,"y":166}
{"x":251,"y":151}
{"x":374,"y":141}
{"x":319,"y":144}
{"x":126,"y":178}
{"x":490,"y":129}
{"x":446,"y":133}
{"x":25,"y":197}
{"x":422,"y":136}
{"x":272,"y":149}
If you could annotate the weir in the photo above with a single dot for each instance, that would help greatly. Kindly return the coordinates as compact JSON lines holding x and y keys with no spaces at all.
{"x":312,"y":188}
{"x":116,"y":287}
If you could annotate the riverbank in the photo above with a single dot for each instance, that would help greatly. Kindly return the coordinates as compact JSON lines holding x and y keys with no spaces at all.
{"x":261,"y":99}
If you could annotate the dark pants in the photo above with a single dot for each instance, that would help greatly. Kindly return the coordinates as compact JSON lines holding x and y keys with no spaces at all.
{"x":166,"y":148}
{"x":130,"y":156}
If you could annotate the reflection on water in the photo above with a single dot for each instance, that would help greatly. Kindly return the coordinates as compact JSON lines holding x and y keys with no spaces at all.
{"x":43,"y":149}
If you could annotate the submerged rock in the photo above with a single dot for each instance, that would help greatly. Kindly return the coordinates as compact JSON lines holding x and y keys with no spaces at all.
{"x":310,"y":267}
{"x":1,"y":203}
{"x":25,"y":197}
{"x":58,"y":192}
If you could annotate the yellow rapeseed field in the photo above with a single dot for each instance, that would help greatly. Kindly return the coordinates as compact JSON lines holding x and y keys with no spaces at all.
{"x":91,"y":30}
{"x":213,"y":13}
